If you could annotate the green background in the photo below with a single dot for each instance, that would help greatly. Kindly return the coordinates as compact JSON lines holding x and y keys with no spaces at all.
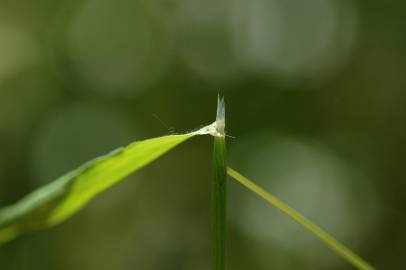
{"x":315,"y":98}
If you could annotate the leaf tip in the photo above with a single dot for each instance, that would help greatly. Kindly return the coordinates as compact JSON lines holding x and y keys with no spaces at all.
{"x":220,"y":117}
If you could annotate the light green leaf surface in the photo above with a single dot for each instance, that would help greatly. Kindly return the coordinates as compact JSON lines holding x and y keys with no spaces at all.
{"x":57,"y":201}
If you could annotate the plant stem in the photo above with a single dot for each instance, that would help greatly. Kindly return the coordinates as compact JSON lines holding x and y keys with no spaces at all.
{"x":218,"y":191}
{"x":218,"y":203}
{"x":336,"y":246}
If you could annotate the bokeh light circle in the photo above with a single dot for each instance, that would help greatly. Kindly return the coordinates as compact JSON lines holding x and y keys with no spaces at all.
{"x":294,"y":41}
{"x":18,"y":50}
{"x":205,"y":44}
{"x":121,"y":47}
{"x":75,"y":135}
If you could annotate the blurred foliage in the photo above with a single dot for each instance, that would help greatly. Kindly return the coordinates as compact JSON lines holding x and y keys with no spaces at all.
{"x":316,"y":99}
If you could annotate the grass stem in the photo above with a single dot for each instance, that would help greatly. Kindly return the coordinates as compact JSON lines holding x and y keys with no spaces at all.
{"x":218,"y":191}
{"x":332,"y":243}
{"x":218,"y":203}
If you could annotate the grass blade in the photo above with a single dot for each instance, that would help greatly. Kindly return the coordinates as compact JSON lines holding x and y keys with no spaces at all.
{"x":218,"y":192}
{"x":336,"y":246}
{"x":57,"y":201}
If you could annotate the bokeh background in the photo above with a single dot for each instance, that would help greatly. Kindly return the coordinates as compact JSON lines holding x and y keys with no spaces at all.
{"x":316,"y":100}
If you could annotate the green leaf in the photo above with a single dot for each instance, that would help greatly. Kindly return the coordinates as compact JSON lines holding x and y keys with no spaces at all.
{"x":57,"y":201}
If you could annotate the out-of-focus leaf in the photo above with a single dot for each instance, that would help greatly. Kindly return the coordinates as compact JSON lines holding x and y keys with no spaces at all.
{"x":57,"y":201}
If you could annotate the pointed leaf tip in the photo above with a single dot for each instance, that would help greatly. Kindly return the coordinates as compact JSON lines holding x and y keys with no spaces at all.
{"x":220,"y":118}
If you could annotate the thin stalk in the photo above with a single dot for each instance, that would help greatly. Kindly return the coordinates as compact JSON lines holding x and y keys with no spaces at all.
{"x":332,"y":243}
{"x":218,"y":192}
